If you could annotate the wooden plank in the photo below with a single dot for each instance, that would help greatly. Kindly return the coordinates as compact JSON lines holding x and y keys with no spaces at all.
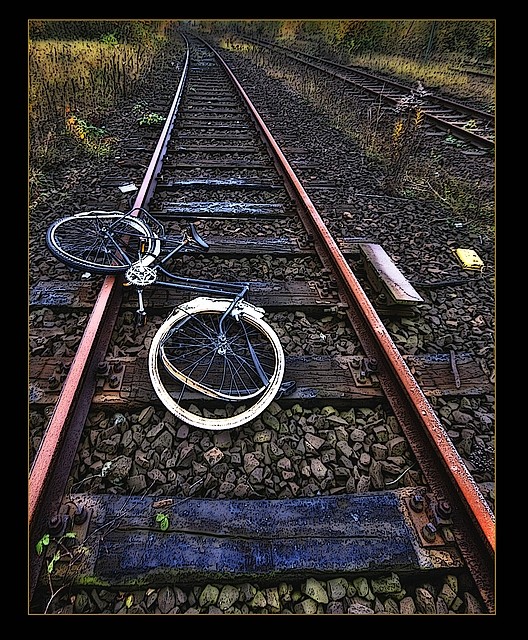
{"x":443,"y":374}
{"x":202,"y":117}
{"x":213,"y":209}
{"x":272,"y":295}
{"x":215,"y":183}
{"x":211,"y":148}
{"x":218,"y":540}
{"x":204,"y":109}
{"x":316,"y":377}
{"x":228,"y":126}
{"x":385,"y":276}
{"x":335,"y":379}
{"x":233,"y":163}
{"x":214,"y":103}
{"x":214,"y":136}
{"x":63,"y":293}
{"x":260,"y":245}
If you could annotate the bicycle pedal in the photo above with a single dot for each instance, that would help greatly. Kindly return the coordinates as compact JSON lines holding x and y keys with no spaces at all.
{"x":286,"y":388}
{"x":141,"y":318}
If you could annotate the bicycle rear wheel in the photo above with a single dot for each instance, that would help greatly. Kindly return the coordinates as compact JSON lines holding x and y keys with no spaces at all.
{"x":243,"y":365}
{"x":102,"y":242}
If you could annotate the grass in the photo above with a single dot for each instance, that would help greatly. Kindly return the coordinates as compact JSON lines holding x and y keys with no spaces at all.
{"x":76,"y":83}
{"x":73,"y":84}
{"x":438,"y":76}
{"x":391,"y":140}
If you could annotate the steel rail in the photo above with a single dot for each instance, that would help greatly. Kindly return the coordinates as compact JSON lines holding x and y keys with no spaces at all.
{"x":441,"y":459}
{"x":437,"y":121}
{"x":47,"y":482}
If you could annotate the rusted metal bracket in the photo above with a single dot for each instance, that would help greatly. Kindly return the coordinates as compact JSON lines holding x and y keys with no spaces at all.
{"x":306,"y":243}
{"x":71,"y":518}
{"x":110,"y":375}
{"x":327,"y":291}
{"x":431,"y":519}
{"x":58,"y":375}
{"x":363,"y":371}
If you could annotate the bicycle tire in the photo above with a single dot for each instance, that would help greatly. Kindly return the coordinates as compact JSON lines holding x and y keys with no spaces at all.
{"x":82,"y":241}
{"x":245,"y":323}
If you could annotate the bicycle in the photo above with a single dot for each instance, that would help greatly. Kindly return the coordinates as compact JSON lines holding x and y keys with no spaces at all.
{"x":220,"y":347}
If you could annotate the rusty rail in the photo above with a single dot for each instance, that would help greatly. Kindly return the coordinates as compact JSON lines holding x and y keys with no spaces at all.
{"x":441,"y":462}
{"x":47,"y":483}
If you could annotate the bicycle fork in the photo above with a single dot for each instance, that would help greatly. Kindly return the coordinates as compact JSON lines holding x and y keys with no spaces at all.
{"x":288,"y":386}
{"x":223,"y":339}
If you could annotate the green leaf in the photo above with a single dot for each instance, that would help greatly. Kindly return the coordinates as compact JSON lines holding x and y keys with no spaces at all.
{"x":43,"y":542}
{"x":163,"y":520}
{"x":51,"y":563}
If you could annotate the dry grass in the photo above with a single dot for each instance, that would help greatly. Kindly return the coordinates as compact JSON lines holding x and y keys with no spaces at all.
{"x":447,"y":77}
{"x":79,"y":78}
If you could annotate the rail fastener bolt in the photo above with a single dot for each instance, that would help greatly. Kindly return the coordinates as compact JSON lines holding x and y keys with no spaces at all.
{"x":417,"y":503}
{"x":429,"y":532}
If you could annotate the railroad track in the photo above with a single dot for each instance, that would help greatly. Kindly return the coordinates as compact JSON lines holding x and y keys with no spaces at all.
{"x":216,"y":163}
{"x":473,"y":126}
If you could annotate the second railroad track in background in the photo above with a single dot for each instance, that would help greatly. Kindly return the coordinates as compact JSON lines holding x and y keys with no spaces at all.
{"x":474,"y":126}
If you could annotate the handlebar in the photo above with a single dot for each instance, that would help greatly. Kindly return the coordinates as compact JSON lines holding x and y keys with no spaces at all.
{"x":202,"y":244}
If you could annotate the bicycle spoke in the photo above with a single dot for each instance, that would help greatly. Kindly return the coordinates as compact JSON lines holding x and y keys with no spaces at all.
{"x":242,"y":365}
{"x":230,"y":368}
{"x":101,"y":242}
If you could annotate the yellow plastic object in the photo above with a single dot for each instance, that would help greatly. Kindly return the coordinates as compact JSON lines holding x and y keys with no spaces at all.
{"x":468,"y":258}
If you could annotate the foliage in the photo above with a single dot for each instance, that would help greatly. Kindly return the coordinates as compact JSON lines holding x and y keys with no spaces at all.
{"x":404,"y":140}
{"x":145,"y":116}
{"x":468,"y":37}
{"x":107,"y":31}
{"x":434,"y":75}
{"x":391,"y":140}
{"x":88,"y":77}
{"x":417,"y":38}
{"x":93,"y":138}
{"x":45,"y":542}
{"x":110,"y":39}
{"x":163,"y":521}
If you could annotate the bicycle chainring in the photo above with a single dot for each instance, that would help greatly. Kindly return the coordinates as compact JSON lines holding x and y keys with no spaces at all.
{"x":140,"y":275}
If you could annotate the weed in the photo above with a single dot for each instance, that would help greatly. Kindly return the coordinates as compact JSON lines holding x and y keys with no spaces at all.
{"x":60,"y":547}
{"x":163,"y":521}
{"x":145,"y":116}
{"x":455,"y":142}
{"x":93,"y":138}
{"x":405,"y":139}
{"x":110,"y":39}
{"x":89,"y":76}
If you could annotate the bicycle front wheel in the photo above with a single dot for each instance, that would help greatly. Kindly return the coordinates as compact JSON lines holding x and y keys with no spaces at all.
{"x":240,"y":361}
{"x":103,"y":242}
